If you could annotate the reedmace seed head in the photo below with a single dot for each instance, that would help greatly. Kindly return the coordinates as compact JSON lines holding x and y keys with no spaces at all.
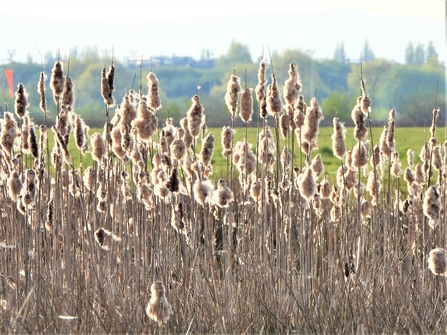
{"x":57,"y":81}
{"x":437,"y":262}
{"x":158,"y":308}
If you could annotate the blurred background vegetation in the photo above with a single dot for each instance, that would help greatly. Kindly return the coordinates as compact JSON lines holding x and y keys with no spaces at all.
{"x":335,"y":80}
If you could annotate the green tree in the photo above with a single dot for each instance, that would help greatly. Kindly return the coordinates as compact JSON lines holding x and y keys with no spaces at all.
{"x":334,"y":74}
{"x":238,"y":53}
{"x":415,"y":94}
{"x":375,"y":75}
{"x":419,"y":56}
{"x":431,"y":51}
{"x":367,"y":54}
{"x":206,"y":54}
{"x":339,"y":54}
{"x":340,"y":103}
{"x":409,"y":54}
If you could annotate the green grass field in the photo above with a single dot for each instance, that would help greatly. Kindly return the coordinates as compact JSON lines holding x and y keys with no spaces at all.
{"x":406,"y":138}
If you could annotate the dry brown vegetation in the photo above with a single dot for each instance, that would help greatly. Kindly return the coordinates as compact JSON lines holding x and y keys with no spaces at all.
{"x":271,"y":247}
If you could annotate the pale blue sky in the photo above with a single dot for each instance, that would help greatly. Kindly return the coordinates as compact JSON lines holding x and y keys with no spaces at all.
{"x":183,"y":28}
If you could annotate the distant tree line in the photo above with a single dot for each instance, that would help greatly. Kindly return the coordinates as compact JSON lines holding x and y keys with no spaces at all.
{"x":335,"y":81}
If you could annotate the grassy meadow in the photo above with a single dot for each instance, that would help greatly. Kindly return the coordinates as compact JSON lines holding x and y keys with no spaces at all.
{"x":406,"y":138}
{"x":155,"y":231}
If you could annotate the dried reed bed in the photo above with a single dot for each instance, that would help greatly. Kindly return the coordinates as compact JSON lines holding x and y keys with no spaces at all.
{"x":149,"y":233}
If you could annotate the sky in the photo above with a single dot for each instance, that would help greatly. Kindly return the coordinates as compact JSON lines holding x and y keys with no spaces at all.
{"x":185,"y":28}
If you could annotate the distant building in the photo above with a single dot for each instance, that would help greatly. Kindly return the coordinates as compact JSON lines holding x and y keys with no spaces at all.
{"x":152,"y":61}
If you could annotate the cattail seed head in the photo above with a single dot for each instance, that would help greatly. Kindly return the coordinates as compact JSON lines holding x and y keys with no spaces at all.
{"x":360,"y":155}
{"x":80,"y":138}
{"x":243,"y":158}
{"x":41,"y":91}
{"x":256,"y":190}
{"x":9,"y":132}
{"x":365,"y":209}
{"x":437,"y":262}
{"x":336,"y":212}
{"x":432,"y":206}
{"x":161,"y":191}
{"x":292,"y":86}
{"x":373,"y":186}
{"x":231,"y":96}
{"x":32,"y":140}
{"x":274,"y":103}
{"x":116,"y":143}
{"x":324,"y":188}
{"x":307,"y":185}
{"x":158,"y":308}
{"x":88,"y":178}
{"x":14,"y":185}
{"x":126,"y":139}
{"x":153,"y":98}
{"x":391,"y":143}
{"x":195,"y":116}
{"x":127,"y":113}
{"x":317,"y":165}
{"x":338,"y":138}
{"x":20,"y":205}
{"x":433,"y":122}
{"x":358,"y":117}
{"x":223,"y":196}
{"x":146,"y":122}
{"x":227,"y":140}
{"x":100,"y":236}
{"x":335,"y":199}
{"x":62,"y":145}
{"x":173,"y":184}
{"x":260,"y":88}
{"x":21,"y":101}
{"x":177,"y":218}
{"x":24,"y":141}
{"x":340,"y":175}
{"x":375,"y":159}
{"x":203,"y":191}
{"x":286,"y":157}
{"x":349,"y":178}
{"x":169,"y":132}
{"x":299,"y":115}
{"x":365,"y":101}
{"x":284,"y":124}
{"x":68,"y":93}
{"x":383,"y":142}
{"x":314,"y":116}
{"x":187,"y":137}
{"x":436,"y":158}
{"x":50,"y":215}
{"x":409,"y":176}
{"x":420,"y":174}
{"x":99,"y":150}
{"x":178,"y":149}
{"x":57,"y":81}
{"x":64,"y":122}
{"x":396,"y":168}
{"x":410,"y":157}
{"x":56,"y":159}
{"x":246,"y":105}
{"x":406,"y":205}
{"x":107,"y":86}
{"x":206,"y":153}
{"x":317,"y":204}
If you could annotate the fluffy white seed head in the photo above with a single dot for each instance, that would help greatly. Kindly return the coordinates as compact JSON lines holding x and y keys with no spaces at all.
{"x":437,"y":262}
